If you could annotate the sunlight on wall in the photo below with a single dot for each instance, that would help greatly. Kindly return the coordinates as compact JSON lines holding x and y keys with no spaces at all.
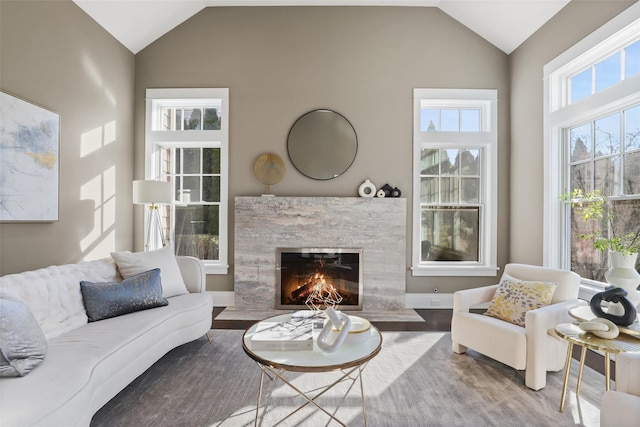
{"x":109,"y":132}
{"x":97,"y":138}
{"x":90,"y":141}
{"x":94,"y":73}
{"x":100,"y":241}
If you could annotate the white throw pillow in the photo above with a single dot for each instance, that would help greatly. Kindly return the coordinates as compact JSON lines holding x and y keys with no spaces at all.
{"x":132,"y":263}
{"x":22,"y":343}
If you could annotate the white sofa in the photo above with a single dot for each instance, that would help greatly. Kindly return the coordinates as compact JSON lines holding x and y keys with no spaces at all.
{"x":531,"y":347}
{"x":88,"y":363}
{"x":621,"y":408}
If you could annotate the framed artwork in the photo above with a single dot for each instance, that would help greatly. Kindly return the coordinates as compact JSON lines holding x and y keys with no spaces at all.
{"x":29,"y":161}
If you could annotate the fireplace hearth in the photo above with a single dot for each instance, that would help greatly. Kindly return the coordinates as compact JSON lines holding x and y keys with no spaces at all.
{"x":316,"y":278}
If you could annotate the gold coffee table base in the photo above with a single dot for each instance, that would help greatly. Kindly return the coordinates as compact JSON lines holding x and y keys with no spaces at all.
{"x":347,"y":375}
{"x":348,"y":361}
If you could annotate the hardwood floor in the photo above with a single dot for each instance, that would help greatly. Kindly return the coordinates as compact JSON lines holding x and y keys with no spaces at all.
{"x":435,"y":320}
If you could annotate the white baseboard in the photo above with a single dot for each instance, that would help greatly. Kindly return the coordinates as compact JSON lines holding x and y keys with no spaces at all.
{"x":223,"y":298}
{"x":421,"y":301}
{"x":432,"y":301}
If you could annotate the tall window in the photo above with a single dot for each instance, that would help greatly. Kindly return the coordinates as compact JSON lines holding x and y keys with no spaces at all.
{"x":603,"y":155}
{"x":455,"y":181}
{"x":592,"y":141}
{"x":187,"y":145}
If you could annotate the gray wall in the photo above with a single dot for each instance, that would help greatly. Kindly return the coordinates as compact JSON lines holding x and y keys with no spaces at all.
{"x":363,"y":62}
{"x":575,"y":21}
{"x":278,"y":64}
{"x":54,"y":55}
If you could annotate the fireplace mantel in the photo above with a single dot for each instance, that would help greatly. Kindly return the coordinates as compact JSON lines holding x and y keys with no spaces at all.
{"x":263,"y":224}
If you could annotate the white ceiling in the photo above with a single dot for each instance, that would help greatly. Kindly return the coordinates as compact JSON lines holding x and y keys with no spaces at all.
{"x":504,"y":23}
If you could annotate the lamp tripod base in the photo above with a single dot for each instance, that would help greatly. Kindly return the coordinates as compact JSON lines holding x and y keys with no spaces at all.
{"x":153,"y":222}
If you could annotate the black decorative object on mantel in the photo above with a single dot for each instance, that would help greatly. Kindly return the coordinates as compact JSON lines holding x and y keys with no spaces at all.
{"x":615,"y":295}
{"x":389,"y":191}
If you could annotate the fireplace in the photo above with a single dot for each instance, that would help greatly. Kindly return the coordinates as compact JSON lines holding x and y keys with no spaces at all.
{"x":315,"y":277}
{"x":264,"y":224}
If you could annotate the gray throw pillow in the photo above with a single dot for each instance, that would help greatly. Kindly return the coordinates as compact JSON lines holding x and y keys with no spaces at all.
{"x":22,"y":342}
{"x":135,"y":293}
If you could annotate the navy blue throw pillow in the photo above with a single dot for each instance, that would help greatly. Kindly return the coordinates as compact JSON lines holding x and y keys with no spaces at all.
{"x":139,"y":292}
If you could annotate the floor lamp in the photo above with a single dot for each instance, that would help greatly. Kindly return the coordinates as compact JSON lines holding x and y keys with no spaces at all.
{"x":152,"y":193}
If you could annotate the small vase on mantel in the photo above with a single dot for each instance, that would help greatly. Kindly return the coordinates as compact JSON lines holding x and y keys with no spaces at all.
{"x":623,"y":274}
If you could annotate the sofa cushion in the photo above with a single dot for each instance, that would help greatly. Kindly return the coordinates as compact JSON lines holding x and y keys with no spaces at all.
{"x":132,"y":263}
{"x":514,"y":298}
{"x":111,"y":299}
{"x":104,"y":357}
{"x":53,"y":293}
{"x":22,"y":344}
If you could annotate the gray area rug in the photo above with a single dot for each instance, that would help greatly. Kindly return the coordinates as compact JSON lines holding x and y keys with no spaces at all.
{"x":416,"y":380}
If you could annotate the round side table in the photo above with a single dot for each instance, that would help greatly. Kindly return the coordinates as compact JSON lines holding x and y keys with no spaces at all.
{"x":571,"y":333}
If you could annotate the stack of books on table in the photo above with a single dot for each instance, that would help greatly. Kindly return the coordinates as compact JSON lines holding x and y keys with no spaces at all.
{"x":295,"y":334}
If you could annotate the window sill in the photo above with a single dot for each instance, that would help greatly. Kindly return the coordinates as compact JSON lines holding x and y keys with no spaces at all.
{"x":588,"y":288}
{"x":462,"y":270}
{"x":216,"y":269}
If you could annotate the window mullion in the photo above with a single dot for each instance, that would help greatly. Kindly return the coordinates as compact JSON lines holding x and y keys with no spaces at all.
{"x":180,"y":171}
{"x":623,"y":61}
{"x":200,"y":174}
{"x":623,"y":150}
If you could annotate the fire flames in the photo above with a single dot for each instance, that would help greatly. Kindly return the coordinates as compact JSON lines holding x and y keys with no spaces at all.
{"x":317,"y":293}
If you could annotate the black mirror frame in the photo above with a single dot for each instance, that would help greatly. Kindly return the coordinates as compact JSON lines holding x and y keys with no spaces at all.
{"x":331,"y":174}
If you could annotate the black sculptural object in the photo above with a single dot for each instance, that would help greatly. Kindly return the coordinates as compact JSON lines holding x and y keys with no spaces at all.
{"x":617,"y":295}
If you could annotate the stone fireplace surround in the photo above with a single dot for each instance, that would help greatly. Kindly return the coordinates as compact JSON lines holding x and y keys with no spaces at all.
{"x":378,"y":226}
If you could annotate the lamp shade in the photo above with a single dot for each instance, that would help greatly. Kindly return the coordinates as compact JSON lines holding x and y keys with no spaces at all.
{"x":151,"y":192}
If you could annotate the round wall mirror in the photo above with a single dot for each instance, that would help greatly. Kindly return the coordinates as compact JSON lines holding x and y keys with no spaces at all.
{"x":322,"y":144}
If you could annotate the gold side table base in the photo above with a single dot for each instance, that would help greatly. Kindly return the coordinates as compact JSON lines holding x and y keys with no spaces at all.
{"x":567,"y":367}
{"x":571,"y":333}
{"x":347,"y":375}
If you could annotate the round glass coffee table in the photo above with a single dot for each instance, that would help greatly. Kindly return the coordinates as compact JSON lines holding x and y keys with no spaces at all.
{"x":350,"y":359}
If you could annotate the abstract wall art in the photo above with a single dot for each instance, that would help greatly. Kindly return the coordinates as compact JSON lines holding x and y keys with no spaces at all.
{"x":29,"y":161}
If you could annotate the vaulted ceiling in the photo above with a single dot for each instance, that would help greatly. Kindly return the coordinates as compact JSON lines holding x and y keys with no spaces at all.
{"x":504,"y":23}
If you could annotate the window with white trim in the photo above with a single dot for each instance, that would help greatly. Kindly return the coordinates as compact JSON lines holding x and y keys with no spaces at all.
{"x":592,"y":141}
{"x":455,"y":182}
{"x":187,"y":139}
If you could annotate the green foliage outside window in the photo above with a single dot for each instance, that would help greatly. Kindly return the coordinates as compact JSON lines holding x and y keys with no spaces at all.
{"x":614,"y":224}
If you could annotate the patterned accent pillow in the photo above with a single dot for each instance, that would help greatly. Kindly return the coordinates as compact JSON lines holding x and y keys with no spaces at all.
{"x":22,"y":343}
{"x":514,"y":298}
{"x":135,"y":293}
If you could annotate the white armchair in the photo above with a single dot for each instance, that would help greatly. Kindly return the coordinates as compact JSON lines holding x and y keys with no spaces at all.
{"x":530,"y":348}
{"x":621,"y":408}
